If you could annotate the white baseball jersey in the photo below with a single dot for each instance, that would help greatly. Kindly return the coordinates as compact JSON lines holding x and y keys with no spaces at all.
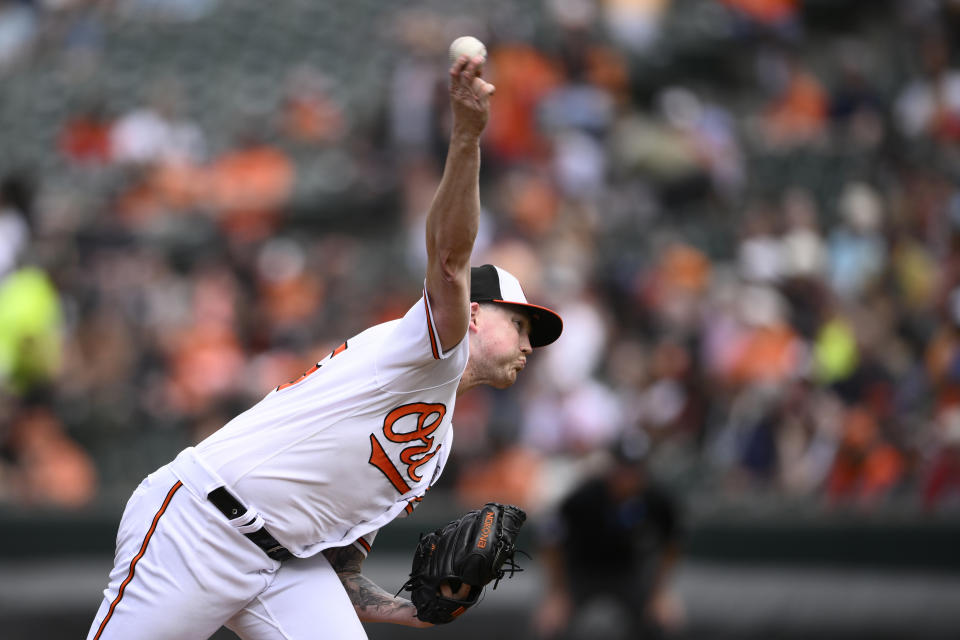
{"x":354,"y":442}
{"x":323,"y":461}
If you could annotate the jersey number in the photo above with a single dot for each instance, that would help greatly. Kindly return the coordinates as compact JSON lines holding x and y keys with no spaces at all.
{"x":312,"y":369}
{"x":424,"y":419}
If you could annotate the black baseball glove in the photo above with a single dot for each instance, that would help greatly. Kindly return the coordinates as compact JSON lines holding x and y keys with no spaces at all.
{"x":473,"y":550}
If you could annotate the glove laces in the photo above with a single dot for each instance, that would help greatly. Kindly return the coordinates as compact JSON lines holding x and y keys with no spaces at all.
{"x":510,"y":566}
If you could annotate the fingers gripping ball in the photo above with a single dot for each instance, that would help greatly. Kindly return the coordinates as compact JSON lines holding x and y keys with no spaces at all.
{"x":471,"y":550}
{"x":467,"y":46}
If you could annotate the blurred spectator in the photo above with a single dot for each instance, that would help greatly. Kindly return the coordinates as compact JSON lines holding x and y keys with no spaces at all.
{"x":711,"y":131}
{"x":760,"y":253}
{"x":662,"y":153}
{"x":941,"y":486}
{"x":856,"y":104}
{"x":769,"y":349}
{"x":531,"y":201}
{"x":290,"y":292}
{"x":803,"y":252}
{"x":930,"y":104}
{"x":806,"y":438}
{"x":635,"y":24}
{"x":510,"y":475}
{"x":157,"y":132}
{"x":667,"y":408}
{"x":310,"y":114}
{"x":857,"y":247}
{"x":836,"y":352}
{"x":15,"y":208}
{"x":576,"y":116}
{"x":576,"y":104}
{"x":85,"y":137}
{"x":249,"y":186}
{"x":797,"y":112}
{"x":943,"y":356}
{"x":416,"y":86}
{"x":673,"y":286}
{"x":40,"y":465}
{"x":609,"y":551}
{"x":18,"y":27}
{"x":523,"y":76}
{"x":867,"y":467}
{"x":205,"y":355}
{"x":158,"y":193}
{"x":778,"y":16}
{"x":30,"y":330}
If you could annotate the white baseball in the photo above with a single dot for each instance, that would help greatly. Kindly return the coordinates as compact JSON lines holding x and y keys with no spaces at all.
{"x":468,"y":46}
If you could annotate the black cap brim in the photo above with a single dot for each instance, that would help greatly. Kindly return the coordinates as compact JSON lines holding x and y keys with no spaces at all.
{"x":546,"y":325}
{"x":486,"y":286}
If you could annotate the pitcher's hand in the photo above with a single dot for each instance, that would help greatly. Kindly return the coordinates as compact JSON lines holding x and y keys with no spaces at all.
{"x":469,"y":96}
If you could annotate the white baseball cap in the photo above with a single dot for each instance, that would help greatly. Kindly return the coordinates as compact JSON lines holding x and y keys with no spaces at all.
{"x":489,"y":283}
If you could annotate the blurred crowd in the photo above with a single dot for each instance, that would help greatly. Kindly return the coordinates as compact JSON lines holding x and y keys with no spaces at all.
{"x":754,"y":243}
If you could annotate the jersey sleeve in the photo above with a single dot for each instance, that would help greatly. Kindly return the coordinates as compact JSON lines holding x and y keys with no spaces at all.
{"x":365,"y":542}
{"x":411,"y":358}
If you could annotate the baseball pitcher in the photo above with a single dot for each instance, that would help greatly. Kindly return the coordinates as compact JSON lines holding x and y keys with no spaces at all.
{"x":263,"y":527}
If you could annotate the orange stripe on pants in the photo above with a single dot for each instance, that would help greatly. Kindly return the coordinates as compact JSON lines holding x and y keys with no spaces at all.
{"x":136,"y":559}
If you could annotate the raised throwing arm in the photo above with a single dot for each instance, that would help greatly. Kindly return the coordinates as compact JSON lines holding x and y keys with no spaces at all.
{"x":455,"y":211}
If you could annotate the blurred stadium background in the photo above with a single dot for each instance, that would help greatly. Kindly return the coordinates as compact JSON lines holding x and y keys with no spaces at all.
{"x":747,"y":212}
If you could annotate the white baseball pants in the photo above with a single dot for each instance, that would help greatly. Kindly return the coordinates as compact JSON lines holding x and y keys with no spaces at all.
{"x":182,"y":571}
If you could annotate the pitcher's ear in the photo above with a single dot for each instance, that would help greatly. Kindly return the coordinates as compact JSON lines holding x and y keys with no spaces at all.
{"x":474,"y":312}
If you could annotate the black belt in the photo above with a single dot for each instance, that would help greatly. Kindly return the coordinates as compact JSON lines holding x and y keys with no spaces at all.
{"x":232,"y":509}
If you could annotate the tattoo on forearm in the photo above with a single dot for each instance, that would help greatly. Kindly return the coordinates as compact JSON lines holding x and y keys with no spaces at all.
{"x":373,"y":601}
{"x":370,"y":600}
{"x":344,"y":559}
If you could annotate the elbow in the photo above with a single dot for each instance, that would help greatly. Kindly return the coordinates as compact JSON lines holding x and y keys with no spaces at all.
{"x":450,"y":255}
{"x":452,"y":265}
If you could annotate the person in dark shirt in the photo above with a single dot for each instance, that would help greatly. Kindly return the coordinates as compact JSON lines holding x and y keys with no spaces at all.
{"x":608,"y":551}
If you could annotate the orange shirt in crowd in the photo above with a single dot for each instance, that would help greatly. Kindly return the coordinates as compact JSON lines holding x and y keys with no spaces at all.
{"x":86,"y":140}
{"x":248,"y":187}
{"x":292,"y":300}
{"x":522,"y":76}
{"x":767,"y":354}
{"x":800,"y":112}
{"x":51,"y":469}
{"x":865,"y":465}
{"x":765,"y":11}
{"x":509,"y":477}
{"x":205,"y":362}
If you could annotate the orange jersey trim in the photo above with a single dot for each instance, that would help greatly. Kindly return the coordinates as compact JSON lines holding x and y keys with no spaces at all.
{"x":306,"y":373}
{"x":136,"y":559}
{"x":364,"y":544}
{"x":411,"y":502}
{"x":430,"y":331}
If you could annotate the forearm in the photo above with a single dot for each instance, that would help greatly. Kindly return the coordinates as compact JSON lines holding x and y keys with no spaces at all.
{"x":373,"y":604}
{"x":455,"y":212}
